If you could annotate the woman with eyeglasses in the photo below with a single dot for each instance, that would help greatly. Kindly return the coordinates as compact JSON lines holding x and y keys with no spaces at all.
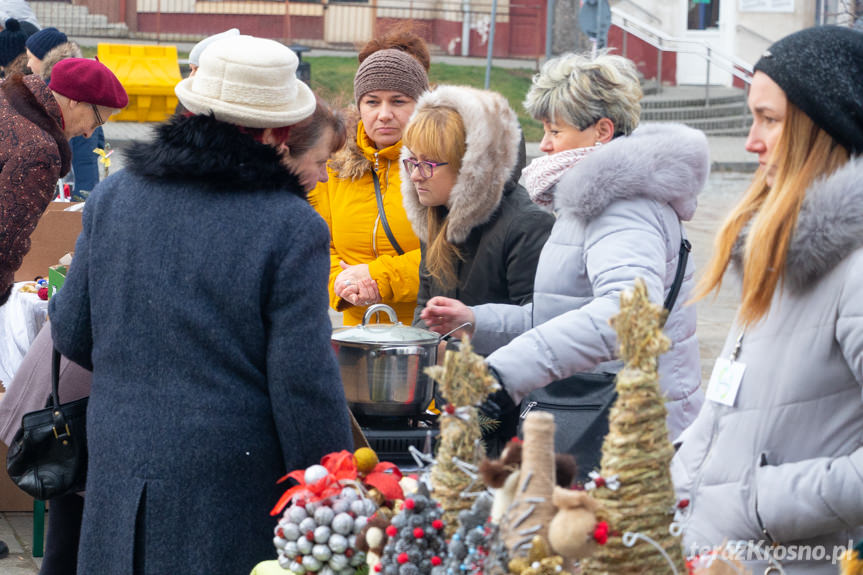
{"x":374,"y":254}
{"x":621,"y":196}
{"x":480,"y":234}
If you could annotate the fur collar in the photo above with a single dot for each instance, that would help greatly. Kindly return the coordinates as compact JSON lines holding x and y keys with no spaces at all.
{"x":829,"y":227}
{"x":491,"y":160}
{"x":665,"y":162}
{"x":202,"y":149}
{"x":32,"y":99}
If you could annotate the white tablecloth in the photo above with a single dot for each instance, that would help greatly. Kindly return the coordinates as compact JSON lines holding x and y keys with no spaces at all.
{"x":21,"y":318}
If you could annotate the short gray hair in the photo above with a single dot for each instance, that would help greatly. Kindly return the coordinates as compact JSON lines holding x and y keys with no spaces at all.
{"x":580,"y":90}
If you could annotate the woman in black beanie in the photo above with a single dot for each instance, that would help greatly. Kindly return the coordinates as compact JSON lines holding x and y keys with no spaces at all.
{"x":775,"y":457}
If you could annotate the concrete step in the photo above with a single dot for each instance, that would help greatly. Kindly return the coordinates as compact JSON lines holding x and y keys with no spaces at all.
{"x":709,"y":125}
{"x":679,"y":114}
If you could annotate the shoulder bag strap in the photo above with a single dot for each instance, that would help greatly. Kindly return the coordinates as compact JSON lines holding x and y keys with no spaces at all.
{"x":55,"y":376}
{"x":383,"y":215}
{"x":683,"y":256}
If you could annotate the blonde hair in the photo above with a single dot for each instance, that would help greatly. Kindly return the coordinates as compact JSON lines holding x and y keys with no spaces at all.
{"x":438,"y":132}
{"x":580,"y":91}
{"x":803,"y":153}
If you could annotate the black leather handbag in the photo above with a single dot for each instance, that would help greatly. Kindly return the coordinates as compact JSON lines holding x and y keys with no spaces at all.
{"x":48,"y":455}
{"x":581,"y":403}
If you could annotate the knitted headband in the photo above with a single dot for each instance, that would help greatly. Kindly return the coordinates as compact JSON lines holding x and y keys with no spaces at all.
{"x":390,"y":69}
{"x":819,"y":69}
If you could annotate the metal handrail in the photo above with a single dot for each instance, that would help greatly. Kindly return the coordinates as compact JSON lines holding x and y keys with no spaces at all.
{"x":751,"y":32}
{"x":644,"y":11}
{"x":666,"y":43}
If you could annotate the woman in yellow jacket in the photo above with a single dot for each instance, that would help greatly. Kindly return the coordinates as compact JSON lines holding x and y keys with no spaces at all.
{"x":374,"y":253}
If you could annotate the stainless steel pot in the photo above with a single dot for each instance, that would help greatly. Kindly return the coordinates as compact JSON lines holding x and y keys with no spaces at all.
{"x":382,"y":365}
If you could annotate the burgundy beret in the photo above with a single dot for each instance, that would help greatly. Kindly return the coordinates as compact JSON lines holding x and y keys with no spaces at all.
{"x":85,"y":80}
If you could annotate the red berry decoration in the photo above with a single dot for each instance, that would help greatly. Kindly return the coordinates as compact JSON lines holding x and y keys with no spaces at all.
{"x":419,"y":533}
{"x":599,"y":481}
{"x":42,"y":293}
{"x":437,"y":524}
{"x":349,"y":552}
{"x":310,"y":535}
{"x":683,"y":504}
{"x":450,"y":408}
{"x":392,"y":531}
{"x":436,"y":561}
{"x":378,"y":567}
{"x":409,"y":504}
{"x":402,"y":558}
{"x":281,"y":533}
{"x":600,"y":533}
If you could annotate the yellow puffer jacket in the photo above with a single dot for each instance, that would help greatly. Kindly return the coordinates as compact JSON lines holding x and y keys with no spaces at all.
{"x":347,"y":202}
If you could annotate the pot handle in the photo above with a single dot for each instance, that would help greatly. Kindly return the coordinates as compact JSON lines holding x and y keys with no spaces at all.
{"x":401,"y":350}
{"x":394,"y":318}
{"x":452,"y":331}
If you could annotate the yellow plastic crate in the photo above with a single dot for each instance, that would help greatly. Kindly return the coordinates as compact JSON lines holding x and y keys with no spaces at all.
{"x":149,"y":74}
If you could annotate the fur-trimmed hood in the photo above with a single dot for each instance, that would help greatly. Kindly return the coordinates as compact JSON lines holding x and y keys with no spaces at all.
{"x":666,"y":162}
{"x":829,"y":227}
{"x":202,"y":149}
{"x":491,"y":160}
{"x":57,"y":53}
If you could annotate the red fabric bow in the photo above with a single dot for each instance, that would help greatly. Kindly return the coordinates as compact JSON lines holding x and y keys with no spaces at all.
{"x":321,"y":489}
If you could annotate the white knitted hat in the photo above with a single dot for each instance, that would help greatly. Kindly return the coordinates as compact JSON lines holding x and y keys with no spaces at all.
{"x":198,"y":49}
{"x":250,"y":82}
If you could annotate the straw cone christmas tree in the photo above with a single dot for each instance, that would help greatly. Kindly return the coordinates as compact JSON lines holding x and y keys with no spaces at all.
{"x":464,"y":382}
{"x":637,"y":450}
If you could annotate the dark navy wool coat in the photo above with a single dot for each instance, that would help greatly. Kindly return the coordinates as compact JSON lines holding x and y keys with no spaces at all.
{"x":198,"y":296}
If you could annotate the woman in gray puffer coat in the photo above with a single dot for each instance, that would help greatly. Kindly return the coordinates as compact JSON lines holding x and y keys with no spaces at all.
{"x":773,"y":465}
{"x":620,"y":196}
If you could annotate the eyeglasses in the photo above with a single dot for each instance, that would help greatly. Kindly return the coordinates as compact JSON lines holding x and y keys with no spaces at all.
{"x":426,"y":168}
{"x":99,"y":120}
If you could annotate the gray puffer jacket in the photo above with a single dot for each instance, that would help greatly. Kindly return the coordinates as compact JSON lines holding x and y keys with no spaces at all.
{"x":619,"y":213}
{"x":786,"y":461}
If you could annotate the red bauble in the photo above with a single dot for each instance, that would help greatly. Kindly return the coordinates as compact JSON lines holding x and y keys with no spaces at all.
{"x":599,"y":481}
{"x":419,"y":533}
{"x":450,"y":408}
{"x":392,"y":531}
{"x":42,"y":293}
{"x":310,"y":535}
{"x":378,"y":567}
{"x":437,"y":524}
{"x":409,"y":504}
{"x":349,"y":552}
{"x":402,"y":558}
{"x":436,"y":561}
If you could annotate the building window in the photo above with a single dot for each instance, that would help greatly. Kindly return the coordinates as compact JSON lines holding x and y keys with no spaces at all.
{"x":703,"y":14}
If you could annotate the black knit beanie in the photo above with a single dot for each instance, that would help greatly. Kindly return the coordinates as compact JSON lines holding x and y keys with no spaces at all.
{"x":44,"y":41}
{"x":12,"y":41}
{"x":821,"y":71}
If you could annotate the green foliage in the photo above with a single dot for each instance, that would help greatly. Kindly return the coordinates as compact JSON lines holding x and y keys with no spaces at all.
{"x":333,"y":79}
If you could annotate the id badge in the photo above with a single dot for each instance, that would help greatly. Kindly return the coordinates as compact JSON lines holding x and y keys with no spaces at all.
{"x":725,"y":381}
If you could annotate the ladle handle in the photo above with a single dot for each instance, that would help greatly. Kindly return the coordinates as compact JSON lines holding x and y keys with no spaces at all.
{"x":452,"y":331}
{"x":394,"y":318}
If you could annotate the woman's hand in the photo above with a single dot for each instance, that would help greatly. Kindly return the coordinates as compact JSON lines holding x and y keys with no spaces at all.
{"x":356,"y":286}
{"x":443,"y":314}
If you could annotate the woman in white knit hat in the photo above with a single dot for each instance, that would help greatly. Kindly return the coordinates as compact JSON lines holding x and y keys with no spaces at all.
{"x":197,"y":298}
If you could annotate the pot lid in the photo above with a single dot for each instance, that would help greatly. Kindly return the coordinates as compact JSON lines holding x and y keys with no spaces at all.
{"x":394,"y":332}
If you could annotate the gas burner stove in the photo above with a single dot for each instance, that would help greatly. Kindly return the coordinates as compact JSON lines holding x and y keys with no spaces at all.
{"x":390,"y":436}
